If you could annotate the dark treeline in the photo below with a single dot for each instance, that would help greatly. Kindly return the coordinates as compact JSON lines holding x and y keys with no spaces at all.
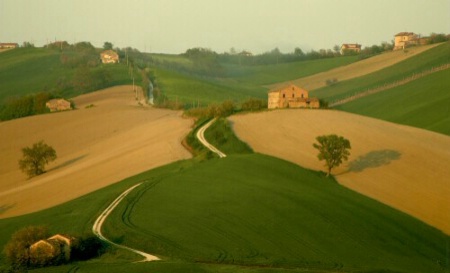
{"x":25,"y":106}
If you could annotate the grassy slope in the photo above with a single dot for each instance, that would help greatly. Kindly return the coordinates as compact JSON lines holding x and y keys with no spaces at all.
{"x":255,"y":210}
{"x":240,"y":82}
{"x":29,"y":70}
{"x":424,"y":61}
{"x":423,"y":103}
{"x":220,"y":134}
{"x":267,"y":74}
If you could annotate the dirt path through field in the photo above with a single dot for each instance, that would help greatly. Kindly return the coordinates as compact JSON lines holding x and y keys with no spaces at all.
{"x":404,"y":167}
{"x":109,"y":138}
{"x":357,"y":69}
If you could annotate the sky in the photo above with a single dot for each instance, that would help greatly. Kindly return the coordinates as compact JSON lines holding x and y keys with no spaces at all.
{"x":258,"y":26}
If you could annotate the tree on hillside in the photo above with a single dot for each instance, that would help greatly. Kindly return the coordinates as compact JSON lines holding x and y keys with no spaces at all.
{"x":333,"y":149}
{"x":107,"y":45}
{"x":36,"y":157}
{"x":17,"y":249}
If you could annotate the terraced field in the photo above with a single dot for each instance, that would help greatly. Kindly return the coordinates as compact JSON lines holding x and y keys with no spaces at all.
{"x":357,"y":69}
{"x":422,"y":103}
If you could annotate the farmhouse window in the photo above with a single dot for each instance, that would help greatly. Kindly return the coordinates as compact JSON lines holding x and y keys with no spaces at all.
{"x":292,"y":94}
{"x":284,"y":96}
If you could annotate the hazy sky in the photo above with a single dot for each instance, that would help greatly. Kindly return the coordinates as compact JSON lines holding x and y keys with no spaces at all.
{"x":172,"y":26}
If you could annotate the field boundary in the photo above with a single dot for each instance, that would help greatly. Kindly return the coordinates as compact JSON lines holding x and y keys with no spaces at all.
{"x":97,"y":228}
{"x":387,"y":86}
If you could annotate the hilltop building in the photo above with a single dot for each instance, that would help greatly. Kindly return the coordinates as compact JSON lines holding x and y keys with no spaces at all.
{"x":346,"y":48}
{"x":58,"y":105}
{"x":291,"y":96}
{"x":404,"y":39}
{"x":109,"y":57}
{"x":8,"y":45}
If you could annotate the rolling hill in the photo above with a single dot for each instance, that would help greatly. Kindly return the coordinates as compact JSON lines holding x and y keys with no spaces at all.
{"x":422,"y":103}
{"x":260,"y":214}
{"x":25,"y":71}
{"x":435,"y":56}
{"x":109,"y":138}
{"x":395,"y":164}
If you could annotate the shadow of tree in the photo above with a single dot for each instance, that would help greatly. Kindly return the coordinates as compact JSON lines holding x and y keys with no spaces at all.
{"x":4,"y":208}
{"x":373,"y":159}
{"x":68,"y":162}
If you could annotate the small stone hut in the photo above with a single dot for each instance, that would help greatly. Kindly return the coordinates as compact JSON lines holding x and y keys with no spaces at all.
{"x":58,"y":105}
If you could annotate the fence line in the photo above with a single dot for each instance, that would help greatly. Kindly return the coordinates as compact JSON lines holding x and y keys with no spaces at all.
{"x":390,"y":85}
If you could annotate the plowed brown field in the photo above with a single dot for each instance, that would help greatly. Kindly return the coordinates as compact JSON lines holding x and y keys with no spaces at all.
{"x":96,"y":146}
{"x":357,"y":69}
{"x":404,"y":167}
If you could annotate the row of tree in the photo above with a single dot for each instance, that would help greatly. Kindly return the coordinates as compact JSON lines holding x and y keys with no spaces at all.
{"x":25,"y":106}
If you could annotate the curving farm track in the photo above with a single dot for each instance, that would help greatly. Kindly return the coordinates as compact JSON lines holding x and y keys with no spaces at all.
{"x":97,"y":228}
{"x":202,"y":139}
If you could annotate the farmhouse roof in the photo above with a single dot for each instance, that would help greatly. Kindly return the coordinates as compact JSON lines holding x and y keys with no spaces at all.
{"x":9,"y":44}
{"x":279,"y":89}
{"x":109,"y":52}
{"x":404,"y":34}
{"x":351,"y":46}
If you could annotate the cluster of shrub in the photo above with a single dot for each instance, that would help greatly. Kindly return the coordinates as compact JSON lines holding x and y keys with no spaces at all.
{"x":26,"y":106}
{"x":226,"y":108}
{"x":20,"y":258}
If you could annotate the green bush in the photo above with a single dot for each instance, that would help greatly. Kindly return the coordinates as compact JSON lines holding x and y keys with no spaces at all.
{"x":17,"y":249}
{"x":253,"y":104}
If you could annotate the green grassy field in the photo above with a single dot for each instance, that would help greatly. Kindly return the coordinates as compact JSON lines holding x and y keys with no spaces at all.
{"x":25,"y":71}
{"x":268,"y":74}
{"x":238,"y":82}
{"x":258,"y":211}
{"x":193,"y":91}
{"x":245,"y":213}
{"x":423,"y":103}
{"x":220,"y":134}
{"x":431,"y":58}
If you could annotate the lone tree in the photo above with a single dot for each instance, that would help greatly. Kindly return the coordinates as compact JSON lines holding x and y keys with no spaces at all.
{"x":333,"y":149}
{"x":36,"y":157}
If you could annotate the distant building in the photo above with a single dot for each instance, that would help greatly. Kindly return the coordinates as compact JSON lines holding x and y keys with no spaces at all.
{"x":291,"y":96}
{"x":109,"y":57}
{"x":58,"y":105}
{"x":404,"y":39}
{"x":246,"y":53}
{"x":346,"y":48}
{"x":8,"y":45}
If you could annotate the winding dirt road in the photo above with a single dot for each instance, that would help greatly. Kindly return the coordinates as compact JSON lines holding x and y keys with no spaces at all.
{"x":97,"y":228}
{"x":202,"y":139}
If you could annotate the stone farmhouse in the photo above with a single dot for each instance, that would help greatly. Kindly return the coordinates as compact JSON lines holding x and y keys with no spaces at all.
{"x":350,"y":48}
{"x":57,"y":245}
{"x":291,"y":96}
{"x":58,"y":105}
{"x":404,"y":39}
{"x":8,"y":45}
{"x":109,"y":57}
